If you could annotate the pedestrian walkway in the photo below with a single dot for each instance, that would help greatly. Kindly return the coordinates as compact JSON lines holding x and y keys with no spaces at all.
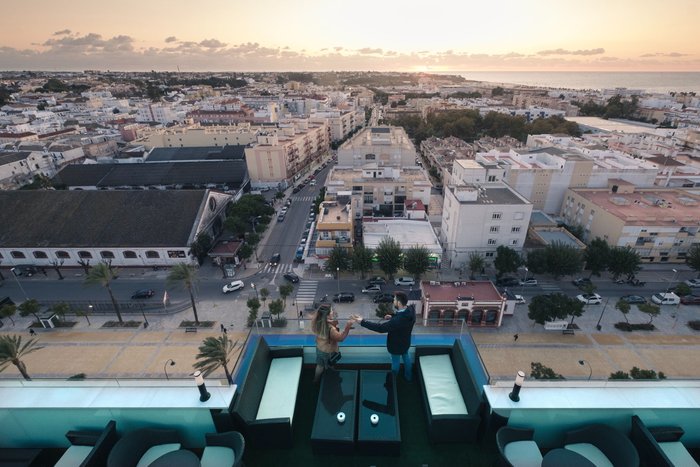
{"x":279,"y":269}
{"x":550,"y":288}
{"x":302,"y":198}
{"x":306,"y":292}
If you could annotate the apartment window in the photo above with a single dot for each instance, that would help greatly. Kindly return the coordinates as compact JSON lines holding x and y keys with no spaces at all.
{"x":40,"y":255}
{"x":17,"y":254}
{"x":84,"y":255}
{"x":176,"y":254}
{"x":515,"y":230}
{"x":370,"y":157}
{"x":494,"y":229}
{"x":489,"y":254}
{"x":128,"y":254}
{"x":492,"y":178}
{"x":513,"y":242}
{"x":107,"y":254}
{"x":496,"y":215}
{"x":62,"y":254}
{"x":152,"y":254}
{"x":492,"y":241}
{"x":369,"y":198}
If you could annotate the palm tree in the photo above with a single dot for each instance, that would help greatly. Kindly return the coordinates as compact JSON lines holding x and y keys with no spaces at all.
{"x":12,"y":350}
{"x":185,"y":275}
{"x":102,"y":274}
{"x":215,"y":352}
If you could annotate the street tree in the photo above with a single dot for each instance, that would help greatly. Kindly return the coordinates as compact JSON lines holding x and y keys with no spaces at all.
{"x":416,"y":261}
{"x":650,"y":309}
{"x":544,"y":308}
{"x":285,"y":291}
{"x":253,"y":305}
{"x":56,"y":264}
{"x":185,"y":275}
{"x":338,"y":260}
{"x":29,"y":307}
{"x":12,"y":351}
{"x":540,"y":371}
{"x":264,"y":294}
{"x":475,"y":264}
{"x":236,"y":225}
{"x":61,"y":309}
{"x":362,"y":260}
{"x":537,"y":261}
{"x":102,"y":274}
{"x":507,"y":260}
{"x":245,"y":252}
{"x":693,"y":257}
{"x":596,"y":256}
{"x":8,"y":311}
{"x":276,"y":307}
{"x":623,"y":261}
{"x":389,"y":255}
{"x":85,"y":313}
{"x":563,"y":260}
{"x":623,"y":307}
{"x":201,"y":246}
{"x":214,"y":353}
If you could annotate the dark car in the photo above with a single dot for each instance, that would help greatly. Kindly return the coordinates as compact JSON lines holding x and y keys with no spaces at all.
{"x":27,"y":270}
{"x":143,"y":293}
{"x":383,"y":298}
{"x":582,"y":282}
{"x":344,"y":297}
{"x":376,"y":280}
{"x":291,"y":277}
{"x":633,"y":299}
{"x":296,"y":189}
{"x":691,"y":300}
{"x":275,"y":260}
{"x":508,"y":282}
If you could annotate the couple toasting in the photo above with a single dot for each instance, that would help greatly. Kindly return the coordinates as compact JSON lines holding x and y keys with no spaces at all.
{"x":398,"y":327}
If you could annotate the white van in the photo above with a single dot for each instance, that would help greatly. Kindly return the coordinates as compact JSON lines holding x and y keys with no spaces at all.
{"x":667,"y":298}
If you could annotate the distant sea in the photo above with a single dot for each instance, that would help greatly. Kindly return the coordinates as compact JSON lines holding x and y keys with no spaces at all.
{"x":653,"y":82}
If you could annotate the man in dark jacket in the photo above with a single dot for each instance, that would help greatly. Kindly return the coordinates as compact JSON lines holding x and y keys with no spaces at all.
{"x":398,"y":328}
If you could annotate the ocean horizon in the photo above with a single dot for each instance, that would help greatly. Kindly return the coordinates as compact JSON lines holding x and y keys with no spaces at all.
{"x":651,"y":82}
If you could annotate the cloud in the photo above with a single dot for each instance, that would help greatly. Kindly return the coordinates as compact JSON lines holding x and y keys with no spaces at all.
{"x":212,"y":44}
{"x":369,"y":51}
{"x":170,"y":39}
{"x":62,"y":32}
{"x":586,"y":52}
{"x":665,"y":54}
{"x":337,"y":49}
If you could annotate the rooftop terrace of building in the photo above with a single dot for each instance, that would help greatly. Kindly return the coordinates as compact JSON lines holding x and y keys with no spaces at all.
{"x":355,"y":175}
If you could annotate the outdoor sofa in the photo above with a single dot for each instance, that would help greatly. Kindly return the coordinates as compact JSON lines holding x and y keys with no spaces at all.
{"x":660,"y":446}
{"x":89,"y":447}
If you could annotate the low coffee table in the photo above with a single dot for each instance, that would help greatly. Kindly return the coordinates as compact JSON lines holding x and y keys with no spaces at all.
{"x":338,"y":393}
{"x":378,"y":397}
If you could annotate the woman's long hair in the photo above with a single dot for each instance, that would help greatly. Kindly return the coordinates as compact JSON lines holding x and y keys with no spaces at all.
{"x":319,"y":323}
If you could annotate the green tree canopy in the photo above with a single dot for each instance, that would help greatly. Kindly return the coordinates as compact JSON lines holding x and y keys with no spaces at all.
{"x":623,"y":307}
{"x":253,"y":305}
{"x":12,"y":351}
{"x":507,"y":260}
{"x":362,"y":260}
{"x":563,"y":260}
{"x":338,"y":259}
{"x":8,"y":311}
{"x":186,"y":276}
{"x":201,"y":246}
{"x":692,"y":259}
{"x":276,"y":307}
{"x":416,"y":261}
{"x":285,"y":291}
{"x":215,"y":352}
{"x":389,"y":254}
{"x":540,"y":371}
{"x":544,"y":308}
{"x":623,"y":261}
{"x":475,"y":263}
{"x":650,"y":309}
{"x":596,"y":256}
{"x":29,"y":307}
{"x":537,"y":261}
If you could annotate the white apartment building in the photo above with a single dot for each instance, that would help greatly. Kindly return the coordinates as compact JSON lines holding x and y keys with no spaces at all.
{"x":341,"y":123}
{"x":384,"y":145}
{"x":199,"y":136}
{"x":156,"y":113}
{"x":18,"y":168}
{"x":480,"y":218}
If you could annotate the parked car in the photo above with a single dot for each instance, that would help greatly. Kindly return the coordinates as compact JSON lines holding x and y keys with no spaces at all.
{"x":666,"y":298}
{"x":590,"y":299}
{"x":296,"y":189}
{"x":143,"y":293}
{"x":528,"y":282}
{"x":633,"y":299}
{"x":404,"y":281}
{"x":27,"y":270}
{"x":275,"y":260}
{"x":383,"y":298}
{"x":233,"y":286}
{"x":312,"y":183}
{"x":691,"y":300}
{"x":507,"y":282}
{"x":520,"y":300}
{"x":693,"y":283}
{"x":291,"y":277}
{"x":280,"y":218}
{"x":582,"y":282}
{"x":376,"y":280}
{"x":344,"y":297}
{"x":372,"y":288}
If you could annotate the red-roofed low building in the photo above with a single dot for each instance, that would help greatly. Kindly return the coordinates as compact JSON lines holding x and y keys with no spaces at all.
{"x":479,"y":303}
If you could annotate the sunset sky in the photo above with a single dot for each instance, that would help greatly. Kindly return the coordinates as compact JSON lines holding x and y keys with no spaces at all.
{"x":408,"y":35}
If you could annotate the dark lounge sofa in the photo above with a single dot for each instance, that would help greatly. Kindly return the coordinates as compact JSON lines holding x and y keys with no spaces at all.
{"x":89,"y":447}
{"x":660,"y":446}
{"x":452,"y":401}
{"x":263,"y":406}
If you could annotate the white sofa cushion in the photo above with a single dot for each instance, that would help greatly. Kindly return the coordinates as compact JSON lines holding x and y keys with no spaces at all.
{"x":217,"y":456}
{"x":444,"y":396}
{"x":678,"y":454}
{"x":155,"y":452}
{"x":280,"y":393}
{"x":75,"y":455}
{"x":591,"y":453}
{"x":523,"y":454}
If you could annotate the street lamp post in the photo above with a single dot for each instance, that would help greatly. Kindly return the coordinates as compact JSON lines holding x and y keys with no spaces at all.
{"x":19,"y":284}
{"x":524,"y":280}
{"x":165,"y":367}
{"x":337,"y":275}
{"x":590,"y":369}
{"x":597,"y":326}
{"x":673,"y":281}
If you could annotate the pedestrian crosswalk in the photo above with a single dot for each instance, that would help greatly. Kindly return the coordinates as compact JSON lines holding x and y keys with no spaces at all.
{"x":279,"y":269}
{"x":306,"y":292}
{"x":303,"y":198}
{"x":550,"y":288}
